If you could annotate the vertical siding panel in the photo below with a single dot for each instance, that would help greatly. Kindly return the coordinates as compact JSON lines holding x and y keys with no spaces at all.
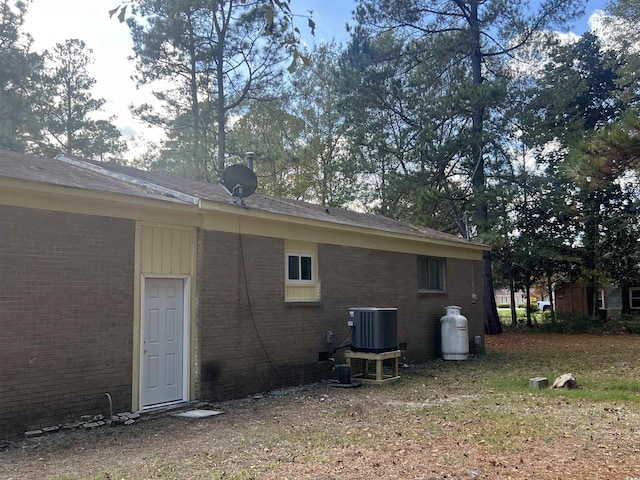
{"x":156,"y":252}
{"x":166,"y":251}
{"x":176,"y":251}
{"x":147,"y":249}
{"x":185,"y":251}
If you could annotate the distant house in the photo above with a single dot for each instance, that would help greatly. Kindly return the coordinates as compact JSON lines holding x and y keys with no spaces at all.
{"x":159,"y":290}
{"x":537,"y":297}
{"x":575,"y":300}
{"x":503,"y":297}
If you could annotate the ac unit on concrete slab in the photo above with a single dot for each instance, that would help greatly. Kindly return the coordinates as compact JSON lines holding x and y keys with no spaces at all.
{"x":374,"y":329}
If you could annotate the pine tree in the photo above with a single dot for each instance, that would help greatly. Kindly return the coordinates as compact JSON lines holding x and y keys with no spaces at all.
{"x":19,"y":77}
{"x":477,"y":35}
{"x":67,"y":115}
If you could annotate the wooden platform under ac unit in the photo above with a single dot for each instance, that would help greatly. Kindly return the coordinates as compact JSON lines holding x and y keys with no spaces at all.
{"x":379,"y":358}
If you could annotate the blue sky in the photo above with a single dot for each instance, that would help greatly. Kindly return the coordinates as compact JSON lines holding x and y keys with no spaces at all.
{"x":51,"y":22}
{"x":331,"y":15}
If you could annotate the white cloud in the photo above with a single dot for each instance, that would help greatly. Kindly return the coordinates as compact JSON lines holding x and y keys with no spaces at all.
{"x":50,"y":22}
{"x":613,"y":32}
{"x":595,"y":20}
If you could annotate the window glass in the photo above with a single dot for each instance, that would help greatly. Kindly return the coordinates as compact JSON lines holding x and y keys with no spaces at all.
{"x":294,"y":269}
{"x":423,"y":279}
{"x":300,"y":267}
{"x":634,"y":297}
{"x":305,"y":268}
{"x":431,"y":273}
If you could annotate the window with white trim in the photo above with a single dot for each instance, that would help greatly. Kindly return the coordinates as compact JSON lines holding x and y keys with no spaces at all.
{"x":431,"y":274}
{"x":299,"y":268}
{"x":302,"y":282}
{"x":634,"y":298}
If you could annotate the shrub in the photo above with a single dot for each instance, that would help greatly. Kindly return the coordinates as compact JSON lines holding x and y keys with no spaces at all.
{"x":627,"y":323}
{"x":578,"y":325}
{"x":542,"y":322}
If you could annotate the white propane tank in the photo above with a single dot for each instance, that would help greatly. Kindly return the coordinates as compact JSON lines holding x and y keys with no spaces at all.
{"x":454,"y":335}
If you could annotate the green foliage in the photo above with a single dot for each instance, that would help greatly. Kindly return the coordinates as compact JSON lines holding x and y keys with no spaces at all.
{"x":19,"y":80}
{"x":326,"y":174}
{"x":271,"y":132}
{"x":575,"y":325}
{"x":420,"y":118}
{"x":623,"y":385}
{"x":624,"y":16}
{"x":609,"y":153}
{"x":46,"y":104}
{"x":211,"y":59}
{"x":626,"y":323}
{"x":446,"y":65}
{"x":573,"y":220}
{"x":577,"y":92}
{"x":459,"y":50}
{"x":67,"y":115}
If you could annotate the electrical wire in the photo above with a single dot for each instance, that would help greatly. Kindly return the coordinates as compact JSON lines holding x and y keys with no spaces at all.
{"x":253,"y":320}
{"x":347,"y":343}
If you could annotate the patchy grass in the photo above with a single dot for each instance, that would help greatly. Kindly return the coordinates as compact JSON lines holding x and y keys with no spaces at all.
{"x":454,"y":420}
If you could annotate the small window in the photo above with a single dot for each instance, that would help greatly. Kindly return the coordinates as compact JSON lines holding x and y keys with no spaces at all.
{"x":634,"y":298}
{"x":300,"y":268}
{"x":431,"y":274}
{"x":301,"y":272}
{"x":601,"y":304}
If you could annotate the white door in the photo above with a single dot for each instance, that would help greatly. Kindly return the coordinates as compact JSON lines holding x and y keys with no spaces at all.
{"x":163,"y":323}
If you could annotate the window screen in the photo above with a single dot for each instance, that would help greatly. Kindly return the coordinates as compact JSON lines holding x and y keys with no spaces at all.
{"x":431,"y":273}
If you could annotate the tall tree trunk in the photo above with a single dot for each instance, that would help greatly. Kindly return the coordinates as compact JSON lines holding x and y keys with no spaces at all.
{"x":552,"y":300}
{"x":221,"y":25}
{"x":512,"y":292}
{"x":221,"y":115}
{"x":490,"y":307}
{"x":528,"y":292}
{"x":491,"y":319}
{"x":571,"y":303}
{"x":69,"y":113}
{"x":197,"y":153}
{"x":624,"y":297}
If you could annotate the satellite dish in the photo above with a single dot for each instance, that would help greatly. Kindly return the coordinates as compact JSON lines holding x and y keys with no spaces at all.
{"x":239,"y":181}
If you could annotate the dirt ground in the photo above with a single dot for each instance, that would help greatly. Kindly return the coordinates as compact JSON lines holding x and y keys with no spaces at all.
{"x":441,"y":420}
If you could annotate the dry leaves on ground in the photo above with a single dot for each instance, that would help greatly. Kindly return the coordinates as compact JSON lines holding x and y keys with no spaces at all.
{"x":453,"y":420}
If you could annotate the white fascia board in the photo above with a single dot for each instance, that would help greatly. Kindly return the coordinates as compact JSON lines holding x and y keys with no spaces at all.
{"x":183,"y":197}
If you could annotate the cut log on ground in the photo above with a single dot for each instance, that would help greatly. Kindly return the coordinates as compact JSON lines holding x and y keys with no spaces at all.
{"x":566,"y":380}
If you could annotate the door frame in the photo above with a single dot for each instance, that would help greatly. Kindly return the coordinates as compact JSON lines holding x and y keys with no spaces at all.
{"x":186,"y":337}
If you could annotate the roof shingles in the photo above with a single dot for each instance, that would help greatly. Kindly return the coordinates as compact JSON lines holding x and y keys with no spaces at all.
{"x":57,"y":172}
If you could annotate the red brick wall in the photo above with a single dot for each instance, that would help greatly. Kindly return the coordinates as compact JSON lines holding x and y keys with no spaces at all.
{"x":251,"y":346}
{"x":66,"y":316}
{"x":571,"y":300}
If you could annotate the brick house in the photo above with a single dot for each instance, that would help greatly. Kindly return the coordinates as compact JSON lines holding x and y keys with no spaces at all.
{"x":90,"y":253}
{"x":577,"y":300}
